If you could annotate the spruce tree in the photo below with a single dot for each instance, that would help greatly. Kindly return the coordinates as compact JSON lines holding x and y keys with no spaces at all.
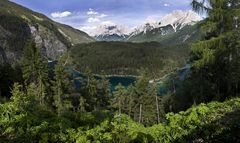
{"x":103,"y":93}
{"x":119,"y":97}
{"x":214,"y":56}
{"x":60,"y":87}
{"x":82,"y":105}
{"x":89,"y":90}
{"x":23,"y":101}
{"x":35,"y":70}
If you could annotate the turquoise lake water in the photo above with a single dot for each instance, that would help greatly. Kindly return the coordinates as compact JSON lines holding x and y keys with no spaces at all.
{"x":126,"y":80}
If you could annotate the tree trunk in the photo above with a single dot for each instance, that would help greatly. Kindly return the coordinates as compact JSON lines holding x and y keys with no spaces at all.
{"x":140,"y":113}
{"x":158,"y":117}
{"x":119,"y":107}
{"x":174,"y":88}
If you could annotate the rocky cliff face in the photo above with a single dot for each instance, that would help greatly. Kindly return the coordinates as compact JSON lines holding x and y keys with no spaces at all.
{"x":48,"y":43}
{"x":18,"y":25}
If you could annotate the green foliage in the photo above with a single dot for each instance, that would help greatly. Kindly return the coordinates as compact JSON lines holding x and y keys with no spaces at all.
{"x":138,"y":101}
{"x":214,"y":76}
{"x":205,"y":122}
{"x":60,"y":87}
{"x":23,"y":120}
{"x":23,"y":101}
{"x":35,"y":70}
{"x":128,"y":58}
{"x":119,"y":98}
{"x":215,"y":58}
{"x":95,"y":93}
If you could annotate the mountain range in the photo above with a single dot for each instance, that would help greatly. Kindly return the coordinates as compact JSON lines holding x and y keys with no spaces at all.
{"x":19,"y":24}
{"x":111,"y":32}
{"x":155,"y":30}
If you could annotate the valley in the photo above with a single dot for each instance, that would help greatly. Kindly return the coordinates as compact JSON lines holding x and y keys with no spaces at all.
{"x":116,"y":72}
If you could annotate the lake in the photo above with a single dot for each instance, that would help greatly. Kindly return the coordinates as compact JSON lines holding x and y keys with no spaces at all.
{"x":165,"y":86}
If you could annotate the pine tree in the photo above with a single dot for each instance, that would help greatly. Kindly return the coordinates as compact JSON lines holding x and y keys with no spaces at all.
{"x":141,"y":91}
{"x":35,"y":70}
{"x":89,"y":90}
{"x":103,"y":93}
{"x":82,"y":105}
{"x":130,"y":100}
{"x":119,"y":98}
{"x":139,"y":101}
{"x":22,"y":101}
{"x":213,"y":56}
{"x":60,"y":86}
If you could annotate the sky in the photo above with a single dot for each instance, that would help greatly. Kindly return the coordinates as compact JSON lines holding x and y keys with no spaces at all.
{"x":86,"y":15}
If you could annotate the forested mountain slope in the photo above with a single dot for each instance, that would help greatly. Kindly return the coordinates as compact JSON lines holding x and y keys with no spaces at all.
{"x":126,"y":58}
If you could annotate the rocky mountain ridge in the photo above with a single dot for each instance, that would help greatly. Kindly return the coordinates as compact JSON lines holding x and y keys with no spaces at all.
{"x":156,"y":29}
{"x":19,"y":24}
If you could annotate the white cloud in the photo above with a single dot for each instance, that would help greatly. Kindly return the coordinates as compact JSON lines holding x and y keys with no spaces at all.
{"x":107,"y":23}
{"x":88,"y":29}
{"x":166,"y":5}
{"x":92,"y":12}
{"x":61,"y":14}
{"x":102,"y":16}
{"x":93,"y":19}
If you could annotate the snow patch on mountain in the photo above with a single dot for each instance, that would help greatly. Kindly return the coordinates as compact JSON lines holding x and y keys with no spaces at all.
{"x":180,"y":18}
{"x":169,"y":23}
{"x":111,"y":29}
{"x":177,"y":19}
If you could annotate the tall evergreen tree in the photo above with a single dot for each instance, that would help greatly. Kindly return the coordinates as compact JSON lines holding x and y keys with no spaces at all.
{"x":119,"y":98}
{"x":35,"y":70}
{"x":82,"y":105}
{"x":89,"y":90}
{"x":103,"y":93}
{"x":60,"y":86}
{"x":139,"y":101}
{"x":214,"y":56}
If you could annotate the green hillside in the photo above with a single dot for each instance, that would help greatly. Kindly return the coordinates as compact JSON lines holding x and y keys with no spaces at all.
{"x":75,"y":36}
{"x":128,"y":58}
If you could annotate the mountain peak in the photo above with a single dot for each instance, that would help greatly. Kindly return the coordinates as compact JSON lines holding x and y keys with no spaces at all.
{"x":180,"y":18}
{"x":172,"y":22}
{"x":111,"y":29}
{"x":177,"y":19}
{"x":111,"y":32}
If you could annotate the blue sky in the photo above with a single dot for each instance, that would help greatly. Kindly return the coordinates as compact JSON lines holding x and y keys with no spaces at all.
{"x":87,"y":14}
